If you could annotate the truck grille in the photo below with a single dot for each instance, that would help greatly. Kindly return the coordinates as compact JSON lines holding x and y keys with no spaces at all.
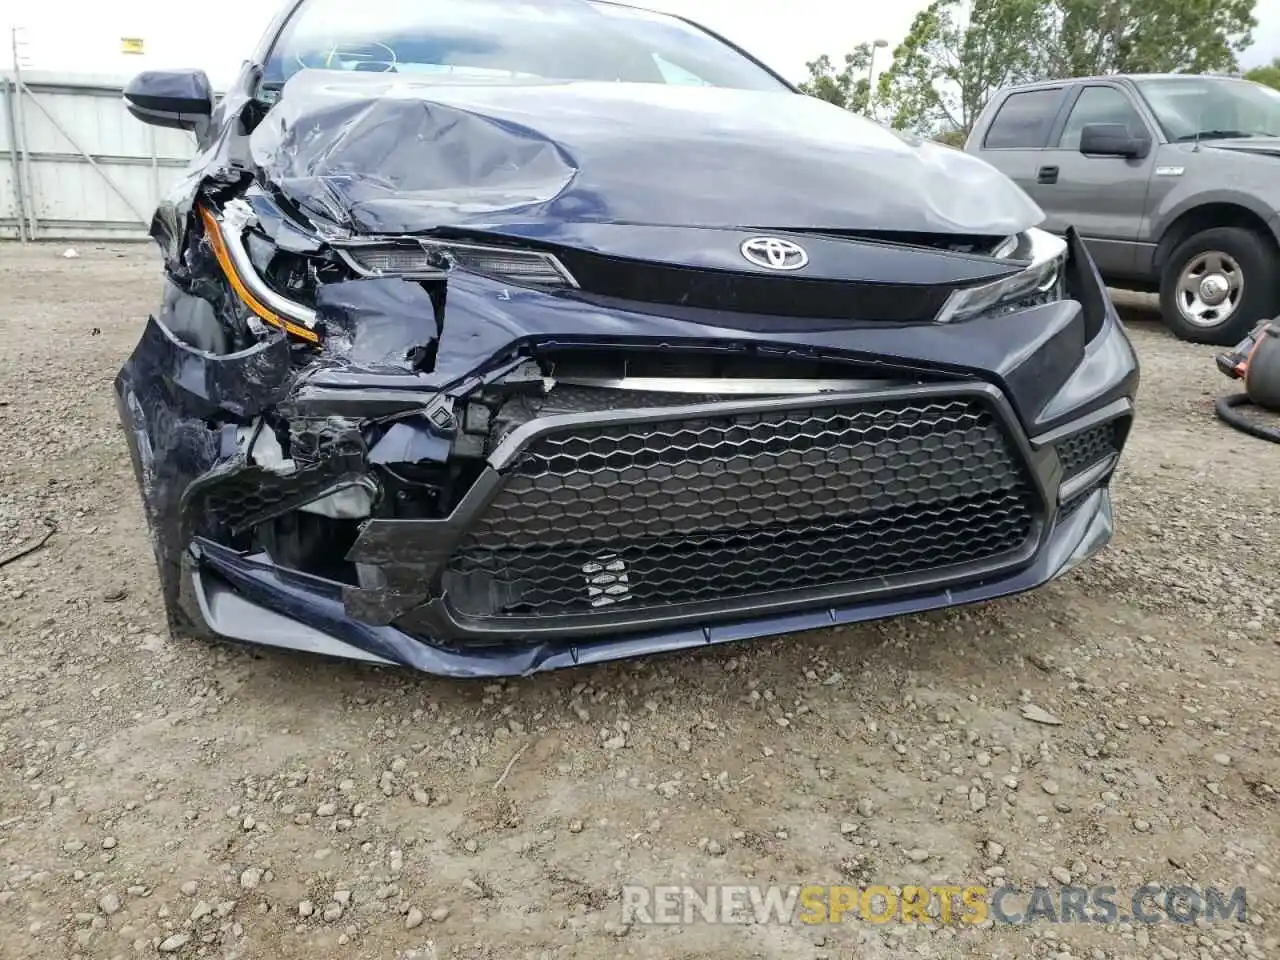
{"x":603,"y":518}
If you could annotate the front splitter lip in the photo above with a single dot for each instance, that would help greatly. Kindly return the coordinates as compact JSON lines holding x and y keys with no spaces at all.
{"x":241,"y":599}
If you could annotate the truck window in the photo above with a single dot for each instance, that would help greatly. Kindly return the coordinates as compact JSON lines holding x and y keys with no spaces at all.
{"x":1023,"y":120}
{"x":1098,"y":105}
{"x":1207,"y":106}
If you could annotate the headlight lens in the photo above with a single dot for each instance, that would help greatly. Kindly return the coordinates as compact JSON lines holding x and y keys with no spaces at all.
{"x":434,"y":258}
{"x":1042,"y":279}
{"x":226,"y":236}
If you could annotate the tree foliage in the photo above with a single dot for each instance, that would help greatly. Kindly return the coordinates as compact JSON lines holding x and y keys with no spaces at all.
{"x":945,"y":69}
{"x":957,"y":53}
{"x":1147,"y":36}
{"x":1270,"y":74}
{"x":849,"y":87}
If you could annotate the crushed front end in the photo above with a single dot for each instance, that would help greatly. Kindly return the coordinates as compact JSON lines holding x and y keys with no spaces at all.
{"x":446,"y":377}
{"x":443,"y":463}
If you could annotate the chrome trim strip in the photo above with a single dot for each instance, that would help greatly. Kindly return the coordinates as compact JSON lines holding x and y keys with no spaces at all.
{"x":1045,"y":249}
{"x":1006,"y":248}
{"x":346,"y":248}
{"x":1083,"y":481}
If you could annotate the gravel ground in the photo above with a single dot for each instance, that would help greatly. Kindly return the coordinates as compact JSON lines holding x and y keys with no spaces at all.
{"x":172,"y":797}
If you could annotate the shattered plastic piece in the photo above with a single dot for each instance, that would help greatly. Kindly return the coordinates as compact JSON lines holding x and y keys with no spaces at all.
{"x":409,"y":442}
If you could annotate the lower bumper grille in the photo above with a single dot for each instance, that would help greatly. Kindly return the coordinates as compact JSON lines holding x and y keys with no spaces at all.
{"x":600,"y":518}
{"x":1082,"y":450}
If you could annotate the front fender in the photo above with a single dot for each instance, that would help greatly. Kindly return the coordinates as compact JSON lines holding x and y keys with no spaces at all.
{"x":1180,"y":202}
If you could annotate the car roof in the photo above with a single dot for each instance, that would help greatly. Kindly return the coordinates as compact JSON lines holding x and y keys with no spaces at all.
{"x":1122,"y":78}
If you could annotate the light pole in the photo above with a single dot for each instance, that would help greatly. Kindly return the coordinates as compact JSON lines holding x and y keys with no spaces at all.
{"x":871,"y":72}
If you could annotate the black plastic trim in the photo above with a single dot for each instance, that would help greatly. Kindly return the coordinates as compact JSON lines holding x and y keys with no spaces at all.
{"x":412,"y":553}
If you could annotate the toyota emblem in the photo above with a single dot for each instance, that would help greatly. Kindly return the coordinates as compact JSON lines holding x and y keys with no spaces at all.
{"x":774,"y":253}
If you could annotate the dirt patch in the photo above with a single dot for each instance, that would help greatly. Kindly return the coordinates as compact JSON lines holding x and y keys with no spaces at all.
{"x":220,"y":802}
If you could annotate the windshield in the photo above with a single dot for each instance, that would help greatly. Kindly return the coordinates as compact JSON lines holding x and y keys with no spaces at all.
{"x":509,"y":40}
{"x":1211,"y":108}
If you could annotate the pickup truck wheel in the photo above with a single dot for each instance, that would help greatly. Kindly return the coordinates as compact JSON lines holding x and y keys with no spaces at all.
{"x":1218,"y":284}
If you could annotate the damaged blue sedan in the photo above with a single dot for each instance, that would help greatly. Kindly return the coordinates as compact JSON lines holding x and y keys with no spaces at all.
{"x":503,"y":336}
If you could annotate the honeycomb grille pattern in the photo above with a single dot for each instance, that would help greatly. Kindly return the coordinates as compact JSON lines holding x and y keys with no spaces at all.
{"x":729,"y":507}
{"x":314,"y":439}
{"x":232,"y":502}
{"x":1082,"y":450}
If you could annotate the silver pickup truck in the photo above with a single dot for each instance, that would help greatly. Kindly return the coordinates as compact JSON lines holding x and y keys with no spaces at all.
{"x":1173,"y":181}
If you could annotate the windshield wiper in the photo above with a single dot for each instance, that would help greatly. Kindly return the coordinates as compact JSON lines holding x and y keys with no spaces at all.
{"x":1216,"y":135}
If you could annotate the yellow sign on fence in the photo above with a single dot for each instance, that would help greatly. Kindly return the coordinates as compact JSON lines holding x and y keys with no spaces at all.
{"x":132,"y":45}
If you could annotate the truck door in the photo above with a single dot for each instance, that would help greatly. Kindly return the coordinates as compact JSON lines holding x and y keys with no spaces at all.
{"x":1102,"y":197}
{"x":1017,"y":132}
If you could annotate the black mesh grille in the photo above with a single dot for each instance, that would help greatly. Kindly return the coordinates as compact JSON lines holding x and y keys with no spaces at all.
{"x":1082,"y":450}
{"x":232,"y":502}
{"x":316,"y":438}
{"x":593,"y":518}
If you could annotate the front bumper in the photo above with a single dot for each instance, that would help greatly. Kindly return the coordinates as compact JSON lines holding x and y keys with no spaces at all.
{"x":1055,"y":383}
{"x":246,"y":597}
{"x":240,"y":598}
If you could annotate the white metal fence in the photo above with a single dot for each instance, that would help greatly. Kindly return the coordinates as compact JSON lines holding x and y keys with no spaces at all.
{"x":75,"y":165}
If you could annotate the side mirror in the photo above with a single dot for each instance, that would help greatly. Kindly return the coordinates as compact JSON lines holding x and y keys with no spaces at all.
{"x":1113,"y":140}
{"x":182,"y":99}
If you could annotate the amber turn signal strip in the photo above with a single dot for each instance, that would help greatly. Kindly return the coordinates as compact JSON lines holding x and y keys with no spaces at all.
{"x":213,"y":230}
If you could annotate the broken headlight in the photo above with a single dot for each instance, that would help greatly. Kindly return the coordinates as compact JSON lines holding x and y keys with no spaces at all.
{"x":433,"y":258}
{"x":226,"y":236}
{"x":1040,"y":281}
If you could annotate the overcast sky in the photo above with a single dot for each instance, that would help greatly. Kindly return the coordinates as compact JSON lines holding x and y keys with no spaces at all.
{"x":84,"y":35}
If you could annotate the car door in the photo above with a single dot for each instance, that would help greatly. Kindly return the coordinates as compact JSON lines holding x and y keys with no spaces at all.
{"x":1104,"y":198}
{"x":1018,"y":130}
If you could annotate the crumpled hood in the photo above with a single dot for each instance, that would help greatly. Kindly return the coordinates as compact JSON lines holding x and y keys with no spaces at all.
{"x":388,"y":155}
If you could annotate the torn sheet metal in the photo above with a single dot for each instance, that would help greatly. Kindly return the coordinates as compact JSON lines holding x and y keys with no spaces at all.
{"x":378,"y":321}
{"x":173,"y":399}
{"x":410,"y":442}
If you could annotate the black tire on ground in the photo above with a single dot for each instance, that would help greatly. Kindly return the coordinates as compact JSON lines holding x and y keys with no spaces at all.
{"x":1260,"y":298}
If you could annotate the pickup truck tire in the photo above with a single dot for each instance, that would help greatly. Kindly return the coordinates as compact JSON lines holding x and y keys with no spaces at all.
{"x":1217,"y":284}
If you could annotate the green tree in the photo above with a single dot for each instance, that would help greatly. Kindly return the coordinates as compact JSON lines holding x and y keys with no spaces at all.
{"x":946,"y":69}
{"x":950,"y":138}
{"x":1270,"y":74}
{"x":848,"y":87}
{"x":1090,"y":37}
{"x":949,"y":64}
